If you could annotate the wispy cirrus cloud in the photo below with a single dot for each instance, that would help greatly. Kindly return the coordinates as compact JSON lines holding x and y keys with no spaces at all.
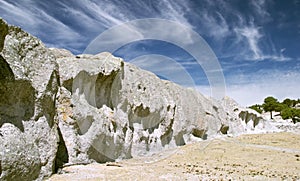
{"x":40,"y":23}
{"x":72,"y":24}
{"x":176,"y":11}
{"x":253,"y":36}
{"x":260,"y":9}
{"x":216,"y":25}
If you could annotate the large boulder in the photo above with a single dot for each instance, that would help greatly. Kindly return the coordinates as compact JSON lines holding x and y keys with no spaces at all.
{"x":28,"y":85}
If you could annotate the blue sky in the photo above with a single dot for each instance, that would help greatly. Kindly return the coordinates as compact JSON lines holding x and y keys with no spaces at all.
{"x":257,"y":42}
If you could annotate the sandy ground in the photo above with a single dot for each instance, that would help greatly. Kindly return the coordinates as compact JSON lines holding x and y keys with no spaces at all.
{"x":273,"y":156}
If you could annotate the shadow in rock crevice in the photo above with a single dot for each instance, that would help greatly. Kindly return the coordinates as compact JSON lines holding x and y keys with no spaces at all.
{"x":16,"y":102}
{"x":17,"y":98}
{"x":5,"y":71}
{"x":62,"y":155}
{"x":103,"y":89}
{"x":97,"y":89}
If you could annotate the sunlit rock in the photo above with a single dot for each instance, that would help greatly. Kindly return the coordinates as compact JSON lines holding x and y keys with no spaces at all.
{"x":28,"y":87}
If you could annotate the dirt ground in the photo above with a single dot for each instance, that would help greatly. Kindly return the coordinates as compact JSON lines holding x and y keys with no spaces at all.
{"x":273,"y":156}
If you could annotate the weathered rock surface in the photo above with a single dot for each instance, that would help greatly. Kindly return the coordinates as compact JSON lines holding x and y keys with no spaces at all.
{"x":109,"y":109}
{"x":246,"y":119}
{"x":57,"y":108}
{"x":28,"y":87}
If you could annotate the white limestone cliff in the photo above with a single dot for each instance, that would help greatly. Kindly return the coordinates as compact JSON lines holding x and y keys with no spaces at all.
{"x":57,"y":108}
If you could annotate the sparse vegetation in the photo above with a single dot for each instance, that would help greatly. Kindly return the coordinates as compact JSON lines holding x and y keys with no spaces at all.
{"x":257,"y":108}
{"x":288,"y":108}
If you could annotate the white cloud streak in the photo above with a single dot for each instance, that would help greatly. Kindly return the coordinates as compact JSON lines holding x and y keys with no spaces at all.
{"x":36,"y":21}
{"x":249,"y":41}
{"x":260,"y":8}
{"x":216,"y":25}
{"x":252,"y":36}
{"x":92,"y":17}
{"x":176,"y":11}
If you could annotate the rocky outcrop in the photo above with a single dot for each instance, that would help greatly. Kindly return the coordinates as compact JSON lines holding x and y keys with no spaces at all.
{"x":246,"y":120}
{"x":114,"y":110}
{"x":109,"y":109}
{"x":57,"y":109}
{"x":28,"y":86}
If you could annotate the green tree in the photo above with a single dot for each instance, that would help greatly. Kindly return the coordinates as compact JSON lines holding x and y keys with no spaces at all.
{"x":257,"y":108}
{"x":291,"y":113}
{"x":286,"y":113}
{"x":280,"y":106}
{"x":270,"y":104}
{"x":296,"y":116}
{"x":288,"y":102}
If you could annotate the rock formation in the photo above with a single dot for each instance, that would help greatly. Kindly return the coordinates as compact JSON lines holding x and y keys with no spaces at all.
{"x":57,"y":108}
{"x":28,"y":87}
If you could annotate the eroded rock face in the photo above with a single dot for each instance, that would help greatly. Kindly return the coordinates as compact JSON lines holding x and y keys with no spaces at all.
{"x":245,"y":120}
{"x":28,"y":86}
{"x":109,"y":109}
